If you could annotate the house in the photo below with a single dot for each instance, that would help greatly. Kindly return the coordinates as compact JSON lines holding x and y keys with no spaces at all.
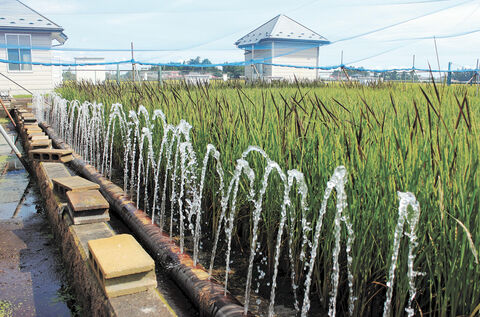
{"x":281,"y":41}
{"x":91,"y":73}
{"x":26,"y":36}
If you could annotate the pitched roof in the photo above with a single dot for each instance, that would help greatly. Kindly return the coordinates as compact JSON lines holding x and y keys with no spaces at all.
{"x":16,"y":16}
{"x":281,"y":27}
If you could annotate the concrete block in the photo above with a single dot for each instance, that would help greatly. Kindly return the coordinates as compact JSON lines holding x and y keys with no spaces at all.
{"x":50,"y":155}
{"x":37,"y":133}
{"x":88,"y":200}
{"x":88,"y":217}
{"x":121,"y":265}
{"x":29,"y":120}
{"x":38,"y":137}
{"x":73,"y":183}
{"x":39,"y":144}
{"x":53,"y":170}
{"x":32,"y":128}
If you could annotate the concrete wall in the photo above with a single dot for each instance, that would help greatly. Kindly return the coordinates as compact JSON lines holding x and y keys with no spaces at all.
{"x":39,"y":79}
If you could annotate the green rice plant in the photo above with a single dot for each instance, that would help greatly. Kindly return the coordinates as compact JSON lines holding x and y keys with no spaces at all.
{"x":421,"y":138}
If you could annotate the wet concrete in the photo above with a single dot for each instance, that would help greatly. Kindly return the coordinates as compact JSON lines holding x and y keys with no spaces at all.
{"x":32,"y":281}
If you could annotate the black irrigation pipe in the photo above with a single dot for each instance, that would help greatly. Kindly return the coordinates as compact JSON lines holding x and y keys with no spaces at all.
{"x":206,"y":293}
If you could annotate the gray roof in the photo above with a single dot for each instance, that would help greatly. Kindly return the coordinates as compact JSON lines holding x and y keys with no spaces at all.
{"x":281,"y":27}
{"x":16,"y":16}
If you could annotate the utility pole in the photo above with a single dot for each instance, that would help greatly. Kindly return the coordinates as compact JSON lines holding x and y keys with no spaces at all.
{"x":341,"y":64}
{"x":160,"y":75}
{"x":413,"y":69}
{"x":476,"y":69}
{"x":118,"y":73}
{"x":133,"y":64}
{"x":449,"y":75}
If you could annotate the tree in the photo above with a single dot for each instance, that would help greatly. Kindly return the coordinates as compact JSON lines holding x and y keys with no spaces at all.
{"x":233,"y":71}
{"x":68,"y":75}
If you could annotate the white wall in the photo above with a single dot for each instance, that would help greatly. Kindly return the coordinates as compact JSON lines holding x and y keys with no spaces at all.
{"x":92,"y":73}
{"x":39,"y":79}
{"x":307,"y":57}
{"x":263,"y":70}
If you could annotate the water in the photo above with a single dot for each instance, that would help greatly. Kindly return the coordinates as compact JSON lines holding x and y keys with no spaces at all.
{"x":32,"y":277}
{"x":172,"y":176}
{"x":406,"y":200}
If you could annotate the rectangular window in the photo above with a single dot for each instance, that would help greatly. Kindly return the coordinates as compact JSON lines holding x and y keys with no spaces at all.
{"x":19,"y":49}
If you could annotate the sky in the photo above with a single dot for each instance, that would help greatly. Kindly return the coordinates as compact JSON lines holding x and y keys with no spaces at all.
{"x":376,"y":34}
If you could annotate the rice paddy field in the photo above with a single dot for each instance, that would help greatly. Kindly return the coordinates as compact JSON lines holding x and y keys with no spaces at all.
{"x":420,"y":138}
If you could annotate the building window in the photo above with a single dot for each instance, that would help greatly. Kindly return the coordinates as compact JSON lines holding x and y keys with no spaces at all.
{"x":19,"y":49}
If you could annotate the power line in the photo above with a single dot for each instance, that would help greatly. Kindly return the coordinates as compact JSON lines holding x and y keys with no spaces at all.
{"x":447,"y":36}
{"x":399,"y":23}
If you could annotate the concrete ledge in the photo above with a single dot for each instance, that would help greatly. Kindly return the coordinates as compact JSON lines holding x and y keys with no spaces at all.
{"x":73,"y":240}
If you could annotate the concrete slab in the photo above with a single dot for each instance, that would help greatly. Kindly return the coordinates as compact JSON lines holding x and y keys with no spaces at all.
{"x":31,"y":134}
{"x":87,"y":217}
{"x":120,"y":255}
{"x":32,"y":128}
{"x":29,"y":119}
{"x":89,"y":232}
{"x":121,"y":265}
{"x":38,"y":137}
{"x":130,"y":284}
{"x":53,"y":170}
{"x":143,"y":304}
{"x":74,"y":183}
{"x":86,"y":200}
{"x":40,"y":144}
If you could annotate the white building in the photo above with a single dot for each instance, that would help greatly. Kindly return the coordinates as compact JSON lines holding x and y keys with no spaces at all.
{"x":281,"y":41}
{"x":194,"y":78}
{"x":26,"y":36}
{"x":91,"y":73}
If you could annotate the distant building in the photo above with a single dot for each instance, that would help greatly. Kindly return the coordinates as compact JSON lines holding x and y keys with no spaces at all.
{"x":281,"y":41}
{"x":91,"y":73}
{"x":194,"y":78}
{"x":26,"y":36}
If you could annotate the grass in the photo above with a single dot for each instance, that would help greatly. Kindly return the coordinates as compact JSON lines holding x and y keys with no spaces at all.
{"x":22,"y":96}
{"x":422,"y":138}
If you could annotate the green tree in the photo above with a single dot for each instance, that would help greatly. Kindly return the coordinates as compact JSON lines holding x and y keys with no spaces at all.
{"x":234,"y":71}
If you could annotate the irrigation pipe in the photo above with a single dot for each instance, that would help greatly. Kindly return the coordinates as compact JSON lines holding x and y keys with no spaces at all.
{"x":206,"y":294}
